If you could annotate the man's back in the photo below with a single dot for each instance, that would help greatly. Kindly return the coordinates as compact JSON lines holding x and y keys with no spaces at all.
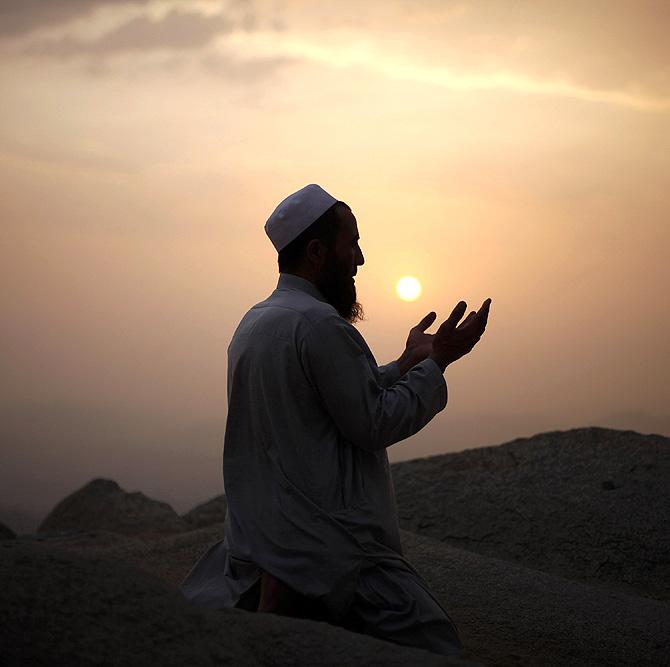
{"x":303,"y":501}
{"x":274,"y":414}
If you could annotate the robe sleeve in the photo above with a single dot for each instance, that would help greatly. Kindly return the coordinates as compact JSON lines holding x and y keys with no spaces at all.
{"x":389,"y":373}
{"x":336,"y":361}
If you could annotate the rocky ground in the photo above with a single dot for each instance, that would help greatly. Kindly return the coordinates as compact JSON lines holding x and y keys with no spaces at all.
{"x":588,"y":504}
{"x":550,"y":550}
{"x":65,"y":608}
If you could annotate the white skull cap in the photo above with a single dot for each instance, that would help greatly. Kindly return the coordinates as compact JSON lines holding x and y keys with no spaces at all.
{"x":296,"y":213}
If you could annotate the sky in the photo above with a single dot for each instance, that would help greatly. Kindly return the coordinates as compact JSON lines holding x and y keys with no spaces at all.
{"x":506,"y":149}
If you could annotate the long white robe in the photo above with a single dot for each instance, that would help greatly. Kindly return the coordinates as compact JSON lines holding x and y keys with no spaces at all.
{"x":306,"y":473}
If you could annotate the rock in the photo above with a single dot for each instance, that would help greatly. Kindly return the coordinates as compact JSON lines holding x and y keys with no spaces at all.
{"x":170,"y":557}
{"x":103,"y":505}
{"x":541,"y":501}
{"x":64,"y":608}
{"x":206,"y":514}
{"x":508,"y":614}
{"x":6,"y":533}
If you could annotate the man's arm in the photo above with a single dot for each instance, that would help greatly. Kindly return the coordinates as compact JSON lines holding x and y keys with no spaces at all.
{"x":368,"y":414}
{"x":391,"y":373}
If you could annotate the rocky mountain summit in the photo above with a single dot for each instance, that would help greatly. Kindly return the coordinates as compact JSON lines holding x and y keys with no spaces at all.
{"x":208,"y":513}
{"x":550,"y":550}
{"x":103,"y":505}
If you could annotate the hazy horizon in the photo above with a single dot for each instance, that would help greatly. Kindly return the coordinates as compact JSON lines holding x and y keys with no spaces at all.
{"x":518,"y":151}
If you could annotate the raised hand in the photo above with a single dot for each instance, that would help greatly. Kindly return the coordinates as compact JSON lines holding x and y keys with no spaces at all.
{"x":419,"y":344}
{"x":452,"y":340}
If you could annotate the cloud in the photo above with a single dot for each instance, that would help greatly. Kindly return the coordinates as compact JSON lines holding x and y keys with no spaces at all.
{"x":601,"y":51}
{"x":176,"y":31}
{"x":20,"y":17}
{"x":402,"y":66}
{"x":244,"y":69}
{"x":600,"y":45}
{"x":614,"y":49}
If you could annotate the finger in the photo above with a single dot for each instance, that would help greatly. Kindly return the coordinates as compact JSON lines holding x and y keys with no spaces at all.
{"x":467,"y":320}
{"x":483,"y":312}
{"x":479,"y":323}
{"x":450,"y":323}
{"x":426,"y":322}
{"x":471,"y":329}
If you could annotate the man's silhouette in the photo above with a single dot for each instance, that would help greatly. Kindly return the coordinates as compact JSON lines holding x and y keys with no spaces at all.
{"x":311,"y":528}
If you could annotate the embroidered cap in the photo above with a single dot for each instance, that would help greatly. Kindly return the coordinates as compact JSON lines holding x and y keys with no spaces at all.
{"x":296,"y":213}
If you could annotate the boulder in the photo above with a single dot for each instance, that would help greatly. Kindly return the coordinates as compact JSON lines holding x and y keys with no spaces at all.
{"x":590,"y":504}
{"x":103,"y":505}
{"x":208,"y":513}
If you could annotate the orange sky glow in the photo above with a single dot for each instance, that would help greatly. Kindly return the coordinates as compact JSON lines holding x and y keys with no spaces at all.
{"x":512,"y":150}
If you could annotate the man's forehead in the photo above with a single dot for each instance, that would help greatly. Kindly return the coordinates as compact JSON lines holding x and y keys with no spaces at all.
{"x":348,"y":223}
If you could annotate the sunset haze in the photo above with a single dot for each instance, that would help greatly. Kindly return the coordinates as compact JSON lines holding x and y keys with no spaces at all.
{"x":512,"y":150}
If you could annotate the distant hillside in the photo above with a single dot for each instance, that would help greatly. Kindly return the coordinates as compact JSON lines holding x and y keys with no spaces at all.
{"x":19,"y":520}
{"x":103,"y":505}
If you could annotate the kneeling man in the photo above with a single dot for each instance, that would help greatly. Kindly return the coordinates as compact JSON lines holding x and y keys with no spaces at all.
{"x":311,"y":528}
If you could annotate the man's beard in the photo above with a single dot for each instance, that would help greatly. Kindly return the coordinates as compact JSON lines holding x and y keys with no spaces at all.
{"x":337,"y":285}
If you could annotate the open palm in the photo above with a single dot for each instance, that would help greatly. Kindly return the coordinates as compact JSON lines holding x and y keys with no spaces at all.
{"x":452,"y":340}
{"x":419,"y":343}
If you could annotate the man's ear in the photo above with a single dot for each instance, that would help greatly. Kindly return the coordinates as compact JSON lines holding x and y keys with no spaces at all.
{"x":315,"y":252}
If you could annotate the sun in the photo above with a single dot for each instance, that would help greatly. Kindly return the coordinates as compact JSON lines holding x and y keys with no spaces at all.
{"x":408,"y":288}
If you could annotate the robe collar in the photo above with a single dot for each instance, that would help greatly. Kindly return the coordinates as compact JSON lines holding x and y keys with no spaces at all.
{"x":293,"y":282}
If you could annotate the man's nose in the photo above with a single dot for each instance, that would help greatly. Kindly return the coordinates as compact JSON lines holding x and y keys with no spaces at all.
{"x":360,"y":260}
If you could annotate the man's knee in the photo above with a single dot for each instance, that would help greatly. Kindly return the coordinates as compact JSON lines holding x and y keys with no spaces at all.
{"x":395,"y":604}
{"x":276,"y":597}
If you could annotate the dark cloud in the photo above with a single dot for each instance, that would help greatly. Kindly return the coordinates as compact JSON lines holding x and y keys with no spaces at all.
{"x":176,"y":31}
{"x":19,"y":17}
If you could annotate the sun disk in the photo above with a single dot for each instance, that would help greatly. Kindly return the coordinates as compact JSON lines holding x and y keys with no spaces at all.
{"x":408,"y":288}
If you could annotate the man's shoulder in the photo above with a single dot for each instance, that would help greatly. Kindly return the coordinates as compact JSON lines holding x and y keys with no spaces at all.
{"x":292,"y":308}
{"x":300,"y":320}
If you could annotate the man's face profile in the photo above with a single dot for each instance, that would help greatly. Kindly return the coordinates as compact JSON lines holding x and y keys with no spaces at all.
{"x":336,"y":278}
